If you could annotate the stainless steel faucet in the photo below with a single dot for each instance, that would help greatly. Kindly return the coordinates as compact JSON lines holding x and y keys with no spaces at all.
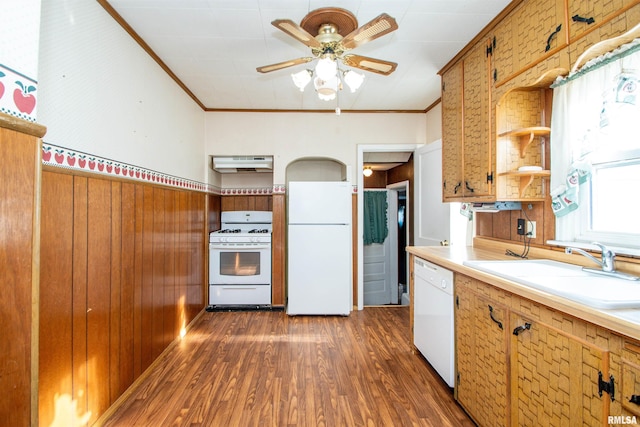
{"x":606,"y":262}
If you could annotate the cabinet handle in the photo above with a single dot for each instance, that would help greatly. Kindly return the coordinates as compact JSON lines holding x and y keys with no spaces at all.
{"x":578,"y":18}
{"x":521,"y":328}
{"x":493,"y":318}
{"x":456,"y":188}
{"x":551,"y":36}
{"x":635,"y":399}
{"x":466,"y":184}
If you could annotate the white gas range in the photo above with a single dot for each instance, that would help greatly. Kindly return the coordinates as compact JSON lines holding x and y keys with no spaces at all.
{"x":240,"y":260}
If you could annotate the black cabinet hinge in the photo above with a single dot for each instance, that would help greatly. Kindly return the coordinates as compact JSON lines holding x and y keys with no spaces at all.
{"x":458,"y":378}
{"x":491,"y":46}
{"x":457,"y":301}
{"x":489,"y":177}
{"x":495,"y":75}
{"x":608,"y":386}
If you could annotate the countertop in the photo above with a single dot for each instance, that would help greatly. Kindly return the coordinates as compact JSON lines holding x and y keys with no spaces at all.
{"x":625,"y":322}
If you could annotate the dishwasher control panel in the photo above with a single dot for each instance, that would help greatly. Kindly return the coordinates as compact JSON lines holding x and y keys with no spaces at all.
{"x":433,"y":274}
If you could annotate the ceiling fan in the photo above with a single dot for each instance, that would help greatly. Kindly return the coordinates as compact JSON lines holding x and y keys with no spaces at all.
{"x":337,"y":32}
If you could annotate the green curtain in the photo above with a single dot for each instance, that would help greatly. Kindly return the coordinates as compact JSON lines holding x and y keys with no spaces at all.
{"x":375,"y":217}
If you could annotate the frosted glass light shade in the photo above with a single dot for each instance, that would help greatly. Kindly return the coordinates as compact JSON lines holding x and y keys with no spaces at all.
{"x":326,"y":68}
{"x":353,"y":80}
{"x":326,"y":89}
{"x":301,"y":79}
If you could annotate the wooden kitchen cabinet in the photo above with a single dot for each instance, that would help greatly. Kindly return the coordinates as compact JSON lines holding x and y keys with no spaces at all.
{"x":591,"y":22}
{"x":452,"y":133}
{"x":523,"y":119}
{"x":478,"y":142}
{"x":630,"y":379}
{"x":481,"y":354}
{"x":555,"y":375}
{"x":519,"y":363}
{"x":533,"y":31}
{"x":467,"y":137}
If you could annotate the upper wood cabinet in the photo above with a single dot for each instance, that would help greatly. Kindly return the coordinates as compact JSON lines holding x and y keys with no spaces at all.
{"x":532,"y":32}
{"x":522,"y":154}
{"x":477,"y":142}
{"x":593,"y":21}
{"x":452,"y":132}
{"x":466,"y":133}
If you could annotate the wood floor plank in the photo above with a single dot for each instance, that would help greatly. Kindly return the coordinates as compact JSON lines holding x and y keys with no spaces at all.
{"x":269,"y":369}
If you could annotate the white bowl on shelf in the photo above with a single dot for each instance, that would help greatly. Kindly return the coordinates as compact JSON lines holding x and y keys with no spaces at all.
{"x":529,"y":168}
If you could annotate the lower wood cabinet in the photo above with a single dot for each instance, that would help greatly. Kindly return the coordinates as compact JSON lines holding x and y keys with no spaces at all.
{"x":520,"y":363}
{"x":630,"y":380}
{"x":555,"y":376}
{"x":481,"y":357}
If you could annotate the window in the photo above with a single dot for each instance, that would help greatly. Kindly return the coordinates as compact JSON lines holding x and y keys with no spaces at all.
{"x":609,"y":210}
{"x":595,"y":141}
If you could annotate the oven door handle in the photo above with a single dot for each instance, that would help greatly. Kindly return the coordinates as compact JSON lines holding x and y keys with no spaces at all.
{"x":240,"y":248}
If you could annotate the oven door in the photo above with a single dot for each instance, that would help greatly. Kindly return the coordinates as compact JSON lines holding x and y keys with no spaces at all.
{"x":239,"y":264}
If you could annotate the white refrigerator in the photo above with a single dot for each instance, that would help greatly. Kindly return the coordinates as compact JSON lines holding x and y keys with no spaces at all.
{"x":319,"y":248}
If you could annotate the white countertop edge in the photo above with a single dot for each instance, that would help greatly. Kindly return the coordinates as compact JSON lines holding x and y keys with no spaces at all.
{"x":623,"y":321}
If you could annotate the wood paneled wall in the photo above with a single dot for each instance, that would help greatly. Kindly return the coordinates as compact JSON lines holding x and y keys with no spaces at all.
{"x":122,"y":272}
{"x":247,"y":203}
{"x":502,"y":225}
{"x":19,"y":215}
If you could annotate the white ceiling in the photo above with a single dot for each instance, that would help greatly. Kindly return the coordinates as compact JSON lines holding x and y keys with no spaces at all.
{"x":214,"y":47}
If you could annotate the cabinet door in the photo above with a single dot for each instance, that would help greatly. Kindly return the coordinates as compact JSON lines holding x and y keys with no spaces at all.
{"x":452,"y":133}
{"x":538,"y":32}
{"x":481,"y":359}
{"x":477,"y":141}
{"x":630,"y":379}
{"x":591,"y":22}
{"x":585,"y":15}
{"x":502,"y":55}
{"x":554,"y":377}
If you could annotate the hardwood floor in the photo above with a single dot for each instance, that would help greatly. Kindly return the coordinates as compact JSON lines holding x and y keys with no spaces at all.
{"x":269,"y":369}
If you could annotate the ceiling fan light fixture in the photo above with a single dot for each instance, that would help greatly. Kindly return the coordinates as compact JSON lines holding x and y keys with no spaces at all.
{"x":301,"y":79}
{"x":326,"y":68}
{"x":367,"y":171}
{"x":353,"y":80}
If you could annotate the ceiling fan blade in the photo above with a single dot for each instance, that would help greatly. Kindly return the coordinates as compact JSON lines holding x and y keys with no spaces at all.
{"x":285,"y":64}
{"x":370,"y":64}
{"x":373,"y":29}
{"x":297,"y":32}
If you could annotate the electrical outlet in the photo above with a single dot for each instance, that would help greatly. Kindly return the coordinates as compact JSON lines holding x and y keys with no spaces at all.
{"x":531,"y":229}
{"x":520,"y":229}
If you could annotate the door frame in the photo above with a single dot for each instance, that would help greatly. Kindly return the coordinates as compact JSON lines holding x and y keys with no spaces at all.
{"x":394,"y":189}
{"x":369,"y":148}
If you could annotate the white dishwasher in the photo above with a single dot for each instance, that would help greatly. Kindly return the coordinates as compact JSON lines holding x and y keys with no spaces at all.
{"x":433,"y":316}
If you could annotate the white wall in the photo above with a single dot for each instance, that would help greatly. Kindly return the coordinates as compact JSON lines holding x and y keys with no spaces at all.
{"x":100,"y":93}
{"x":434,"y":123}
{"x":290,"y":136}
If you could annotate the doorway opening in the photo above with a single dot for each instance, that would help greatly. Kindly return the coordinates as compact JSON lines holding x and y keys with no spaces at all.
{"x":399,"y":197}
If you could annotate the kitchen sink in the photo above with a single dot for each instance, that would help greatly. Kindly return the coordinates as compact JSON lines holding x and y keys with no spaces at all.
{"x":566,"y":280}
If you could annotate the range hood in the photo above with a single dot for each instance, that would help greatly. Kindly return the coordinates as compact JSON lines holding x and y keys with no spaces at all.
{"x":236,"y":164}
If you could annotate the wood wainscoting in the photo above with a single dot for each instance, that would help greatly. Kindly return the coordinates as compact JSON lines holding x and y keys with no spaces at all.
{"x":20,"y":149}
{"x":123,"y":273}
